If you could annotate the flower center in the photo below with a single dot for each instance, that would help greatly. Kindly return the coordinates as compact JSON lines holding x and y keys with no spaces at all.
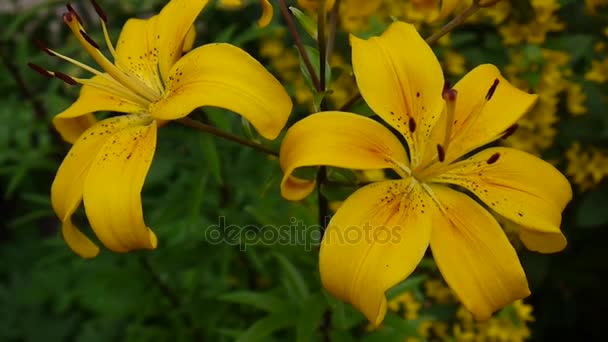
{"x":114,"y":80}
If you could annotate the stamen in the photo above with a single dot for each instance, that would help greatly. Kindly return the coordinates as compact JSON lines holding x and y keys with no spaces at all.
{"x":493,"y":158}
{"x":449,"y":95}
{"x":509,"y":132}
{"x":40,"y":70}
{"x":73,"y":11}
{"x":89,"y":39}
{"x":412,"y":125}
{"x":43,"y":47}
{"x":65,"y":78}
{"x":492,"y":89}
{"x":100,"y":12}
{"x":440,"y":153}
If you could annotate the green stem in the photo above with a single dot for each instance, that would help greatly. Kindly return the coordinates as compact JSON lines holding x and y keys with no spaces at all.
{"x":218,"y":133}
{"x":299,"y":45}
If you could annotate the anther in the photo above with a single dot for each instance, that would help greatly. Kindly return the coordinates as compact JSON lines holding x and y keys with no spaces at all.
{"x":73,"y":11}
{"x":412,"y":125}
{"x":493,"y":158}
{"x":65,"y":78}
{"x":492,"y":89}
{"x":42,"y":71}
{"x":100,"y":11}
{"x":509,"y":132}
{"x":89,"y":39}
{"x":43,"y":47}
{"x":450,"y":95}
{"x":440,"y":153}
{"x":68,"y":17}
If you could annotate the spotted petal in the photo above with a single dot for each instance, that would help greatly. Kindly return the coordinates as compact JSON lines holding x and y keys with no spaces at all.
{"x":66,"y":191}
{"x":71,"y":128}
{"x":474,"y":255}
{"x":112,"y":189}
{"x":336,"y":139}
{"x":400,"y":78}
{"x":375,"y":240}
{"x":521,"y":187}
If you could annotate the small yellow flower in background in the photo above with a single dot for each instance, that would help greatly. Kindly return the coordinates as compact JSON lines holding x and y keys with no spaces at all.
{"x":587,"y":167}
{"x":151,"y":82}
{"x":576,"y":99}
{"x":598,"y":72}
{"x":381,"y":232}
{"x":267,"y":10}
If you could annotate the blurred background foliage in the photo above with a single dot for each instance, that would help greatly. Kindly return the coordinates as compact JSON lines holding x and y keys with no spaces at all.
{"x":194,"y":288}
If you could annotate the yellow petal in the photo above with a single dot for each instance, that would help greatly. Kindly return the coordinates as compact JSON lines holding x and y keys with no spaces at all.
{"x":189,"y":40}
{"x":542,"y":242}
{"x":477,"y":121}
{"x":137,"y":51}
{"x":519,"y":186}
{"x":267,"y":13}
{"x":172,"y":26}
{"x":400,"y":78}
{"x":222,"y":75}
{"x":71,"y":128}
{"x":336,"y":139}
{"x":375,"y":240}
{"x":474,"y":255}
{"x":112,"y":189}
{"x":66,"y":191}
{"x":92,"y":100}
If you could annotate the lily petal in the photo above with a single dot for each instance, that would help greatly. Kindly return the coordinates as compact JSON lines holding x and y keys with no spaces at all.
{"x":137,"y":51}
{"x":402,"y":87}
{"x":92,"y":99}
{"x":375,"y":240}
{"x":112,"y":189}
{"x":267,"y":12}
{"x":71,"y":128}
{"x":478,"y":121}
{"x":519,"y":186}
{"x":222,"y":75}
{"x":336,"y":139}
{"x":474,"y":255}
{"x":173,"y":23}
{"x":66,"y":191}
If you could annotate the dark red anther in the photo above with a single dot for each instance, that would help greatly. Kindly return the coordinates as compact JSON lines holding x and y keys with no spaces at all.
{"x":100,"y":11}
{"x":89,"y":39}
{"x":509,"y":132}
{"x":440,"y":153}
{"x":412,"y":125}
{"x":43,"y":47}
{"x":73,"y":12}
{"x":42,"y":71}
{"x":493,"y":158}
{"x":65,"y":78}
{"x":492,"y":89}
{"x":68,"y":16}
{"x":450,"y":95}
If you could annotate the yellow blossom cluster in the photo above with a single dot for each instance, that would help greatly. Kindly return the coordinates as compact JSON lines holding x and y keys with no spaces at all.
{"x":510,"y":324}
{"x":587,"y":166}
{"x":542,"y":20}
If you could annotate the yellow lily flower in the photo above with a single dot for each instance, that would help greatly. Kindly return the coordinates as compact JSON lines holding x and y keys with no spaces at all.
{"x":151,"y":82}
{"x":382,"y":231}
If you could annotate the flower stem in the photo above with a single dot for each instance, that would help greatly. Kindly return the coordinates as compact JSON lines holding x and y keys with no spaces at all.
{"x":218,"y":133}
{"x":299,"y":45}
{"x":459,"y":19}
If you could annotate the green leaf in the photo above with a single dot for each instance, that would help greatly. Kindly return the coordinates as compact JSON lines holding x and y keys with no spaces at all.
{"x":312,"y":311}
{"x":313,"y":56}
{"x":263,"y":301}
{"x":410,"y":284}
{"x":263,"y":328}
{"x":307,"y":23}
{"x":211,"y":156}
{"x":293,"y":278}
